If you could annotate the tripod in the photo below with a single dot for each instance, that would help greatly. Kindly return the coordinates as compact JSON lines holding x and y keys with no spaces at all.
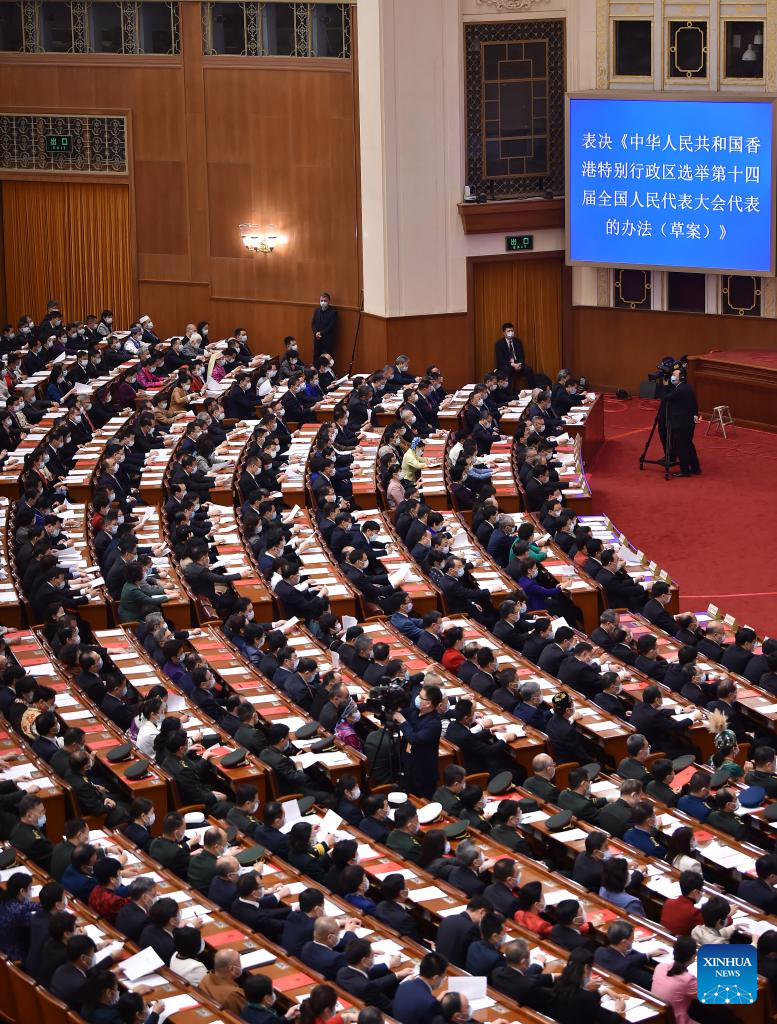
{"x":391,"y":734}
{"x":667,"y":461}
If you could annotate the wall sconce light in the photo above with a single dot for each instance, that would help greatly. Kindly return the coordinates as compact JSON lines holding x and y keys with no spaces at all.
{"x":258,"y":239}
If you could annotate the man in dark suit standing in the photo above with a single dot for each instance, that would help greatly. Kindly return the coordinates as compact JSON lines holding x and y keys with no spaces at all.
{"x":324,"y":326}
{"x":510,"y":357}
{"x":683,"y":411}
{"x":423,"y":731}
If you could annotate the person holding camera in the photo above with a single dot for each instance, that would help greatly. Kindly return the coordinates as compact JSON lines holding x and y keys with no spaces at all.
{"x":422,"y":730}
{"x":683,"y":415}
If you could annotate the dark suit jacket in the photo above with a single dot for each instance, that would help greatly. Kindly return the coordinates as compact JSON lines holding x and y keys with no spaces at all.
{"x":630,"y":967}
{"x":67,"y":984}
{"x":322,"y":959}
{"x":587,"y":871}
{"x":551,"y":657}
{"x":757,"y":892}
{"x":372,"y":991}
{"x":503,"y":357}
{"x":131,"y":920}
{"x":530,"y":989}
{"x":502,"y":898}
{"x":736,"y":659}
{"x":414,"y":1002}
{"x":160,"y":941}
{"x":466,"y":880}
{"x":297,"y":931}
{"x":454,"y":937}
{"x":397,"y":918}
{"x":655,"y":613}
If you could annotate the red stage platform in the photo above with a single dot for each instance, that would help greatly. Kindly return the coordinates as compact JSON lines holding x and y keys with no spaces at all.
{"x":745,"y":381}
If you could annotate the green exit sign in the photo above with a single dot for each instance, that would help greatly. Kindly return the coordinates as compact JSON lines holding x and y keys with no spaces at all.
{"x":519,"y":243}
{"x":59,"y":143}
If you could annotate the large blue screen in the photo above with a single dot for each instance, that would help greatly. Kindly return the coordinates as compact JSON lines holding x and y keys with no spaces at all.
{"x":670,"y":183}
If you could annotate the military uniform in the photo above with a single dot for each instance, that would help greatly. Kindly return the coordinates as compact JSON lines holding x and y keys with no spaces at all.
{"x":583,"y":807}
{"x":405,"y":845}
{"x":33,"y":843}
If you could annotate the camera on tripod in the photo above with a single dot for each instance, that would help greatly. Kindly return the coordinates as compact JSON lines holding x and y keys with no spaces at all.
{"x":666,"y":368}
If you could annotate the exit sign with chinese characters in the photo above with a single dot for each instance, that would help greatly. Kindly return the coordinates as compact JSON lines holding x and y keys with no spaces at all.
{"x":59,"y":143}
{"x":519,"y":243}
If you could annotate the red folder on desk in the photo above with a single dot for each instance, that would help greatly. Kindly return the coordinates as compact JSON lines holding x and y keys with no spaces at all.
{"x":289,"y":981}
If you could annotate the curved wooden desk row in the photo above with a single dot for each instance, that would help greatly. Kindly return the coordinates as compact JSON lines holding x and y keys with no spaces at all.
{"x":23,"y":1000}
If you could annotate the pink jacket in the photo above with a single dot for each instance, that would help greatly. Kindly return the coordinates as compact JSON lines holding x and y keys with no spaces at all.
{"x":678,"y":991}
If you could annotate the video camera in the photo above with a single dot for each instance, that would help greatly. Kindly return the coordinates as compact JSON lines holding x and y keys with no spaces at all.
{"x":666,"y":368}
{"x":391,"y":695}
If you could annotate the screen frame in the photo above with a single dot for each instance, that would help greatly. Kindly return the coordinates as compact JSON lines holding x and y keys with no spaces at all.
{"x":672,"y":96}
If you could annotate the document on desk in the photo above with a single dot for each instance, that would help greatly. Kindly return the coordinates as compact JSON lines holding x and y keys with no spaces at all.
{"x":255,"y":958}
{"x":426,"y":894}
{"x":144,"y":962}
{"x":473,"y":988}
{"x":174,"y":1005}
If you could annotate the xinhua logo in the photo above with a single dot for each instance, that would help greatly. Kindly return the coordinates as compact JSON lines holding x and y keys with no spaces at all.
{"x":726,"y":974}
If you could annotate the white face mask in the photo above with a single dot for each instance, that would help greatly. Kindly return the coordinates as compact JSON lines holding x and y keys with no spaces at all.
{"x":355,"y":794}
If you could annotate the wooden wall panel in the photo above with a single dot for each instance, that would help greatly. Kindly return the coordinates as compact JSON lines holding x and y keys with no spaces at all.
{"x":281,"y":152}
{"x":442,"y":339}
{"x":214,"y":143}
{"x":160,"y":207}
{"x":618,"y":347}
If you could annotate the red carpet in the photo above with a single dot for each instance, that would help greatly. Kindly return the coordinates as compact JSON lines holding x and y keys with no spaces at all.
{"x":698,"y":528}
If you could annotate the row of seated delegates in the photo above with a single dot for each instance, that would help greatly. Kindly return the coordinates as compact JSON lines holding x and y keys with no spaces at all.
{"x":624,"y":565}
{"x":248,"y":892}
{"x":747,"y":706}
{"x":216,"y":842}
{"x":516,"y":694}
{"x":226,"y":696}
{"x":68,"y":951}
{"x":9,"y":600}
{"x":479,"y":947}
{"x":40,"y":917}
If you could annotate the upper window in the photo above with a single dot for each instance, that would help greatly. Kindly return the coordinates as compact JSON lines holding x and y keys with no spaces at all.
{"x":89,"y":26}
{"x":632,"y":47}
{"x":276,"y":28}
{"x":744,"y":49}
{"x":688,"y":49}
{"x":515,"y":108}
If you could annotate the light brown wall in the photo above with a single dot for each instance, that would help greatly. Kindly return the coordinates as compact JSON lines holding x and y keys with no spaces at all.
{"x":619,"y":347}
{"x":215,"y":142}
{"x":444,"y":339}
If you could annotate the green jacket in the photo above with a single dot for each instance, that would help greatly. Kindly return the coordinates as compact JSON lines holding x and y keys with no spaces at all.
{"x":202,"y":868}
{"x":582,"y":807}
{"x":450,"y":802}
{"x":135,"y":603}
{"x":541,"y":788}
{"x":404,"y":844}
{"x":727,"y":821}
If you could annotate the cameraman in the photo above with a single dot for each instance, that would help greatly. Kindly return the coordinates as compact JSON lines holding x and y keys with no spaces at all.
{"x":683,"y":417}
{"x":422,"y":730}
